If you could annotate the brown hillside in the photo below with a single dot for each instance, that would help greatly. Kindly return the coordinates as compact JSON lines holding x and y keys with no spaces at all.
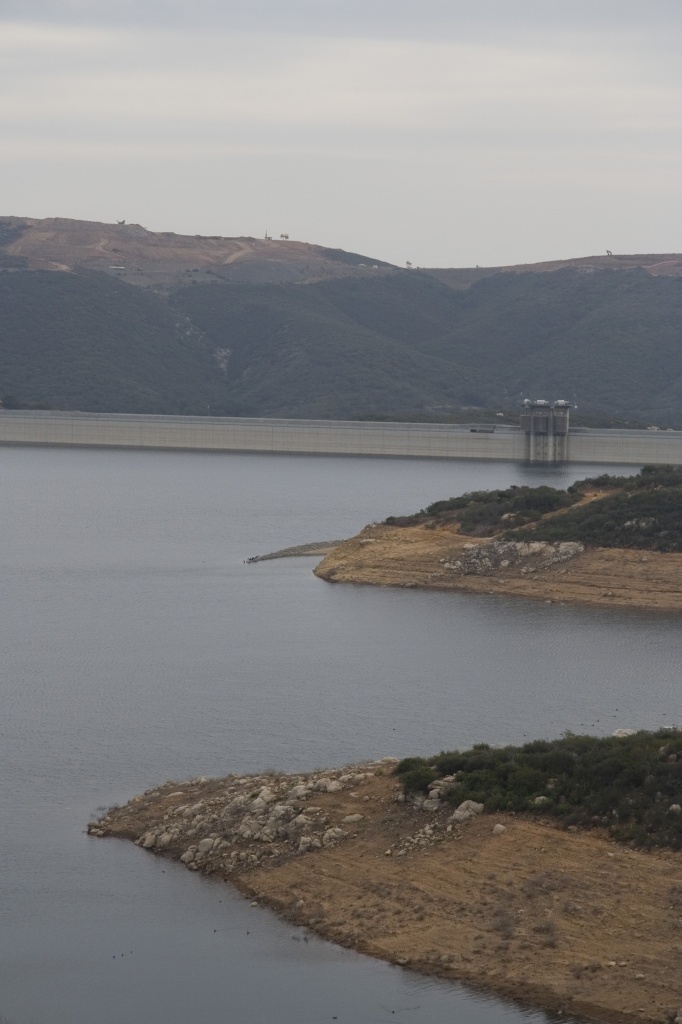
{"x":165,"y":260}
{"x":658,"y":265}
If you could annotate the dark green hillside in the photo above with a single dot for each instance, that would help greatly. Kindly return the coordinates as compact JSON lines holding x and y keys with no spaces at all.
{"x":86,"y":341}
{"x":629,"y":785}
{"x":320,"y":351}
{"x":612,"y":341}
{"x":404,"y":342}
{"x":642,"y":512}
{"x":382,"y":344}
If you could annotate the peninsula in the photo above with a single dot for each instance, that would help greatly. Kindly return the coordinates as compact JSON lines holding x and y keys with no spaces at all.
{"x":394,"y":860}
{"x":611,"y":541}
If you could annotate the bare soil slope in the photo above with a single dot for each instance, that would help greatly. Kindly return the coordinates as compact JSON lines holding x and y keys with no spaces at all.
{"x":564,"y":920}
{"x":418,"y":556}
{"x":167,"y":260}
{"x":658,"y":265}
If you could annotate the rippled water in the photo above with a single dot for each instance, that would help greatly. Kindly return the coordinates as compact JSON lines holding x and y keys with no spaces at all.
{"x":137,"y":646}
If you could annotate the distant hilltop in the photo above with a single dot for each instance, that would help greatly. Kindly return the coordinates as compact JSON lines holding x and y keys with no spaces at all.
{"x":166,"y":260}
{"x":657,"y":264}
{"x":116,"y":318}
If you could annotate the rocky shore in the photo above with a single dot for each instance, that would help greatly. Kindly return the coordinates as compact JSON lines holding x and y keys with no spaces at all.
{"x":443,"y":559}
{"x":563,"y":920}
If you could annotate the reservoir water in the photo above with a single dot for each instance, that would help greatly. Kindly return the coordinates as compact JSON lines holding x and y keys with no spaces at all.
{"x":137,"y":646}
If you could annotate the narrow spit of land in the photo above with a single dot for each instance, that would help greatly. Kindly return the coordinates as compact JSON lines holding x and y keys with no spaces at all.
{"x":315,"y":547}
{"x":611,"y":541}
{"x":564,"y":920}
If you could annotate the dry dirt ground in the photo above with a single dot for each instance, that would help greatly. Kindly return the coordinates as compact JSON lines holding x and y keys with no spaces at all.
{"x":413,"y":556}
{"x":658,"y":265}
{"x":563,"y":920}
{"x":167,"y":260}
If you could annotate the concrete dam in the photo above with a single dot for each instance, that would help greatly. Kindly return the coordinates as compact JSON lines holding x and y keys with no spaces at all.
{"x":539,"y":441}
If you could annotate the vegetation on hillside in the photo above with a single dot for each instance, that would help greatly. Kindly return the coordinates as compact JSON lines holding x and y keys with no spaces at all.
{"x":629,"y":785}
{"x":641,"y":511}
{"x":403,"y":342}
{"x":86,"y":341}
{"x":485,"y":513}
{"x":392,"y":343}
{"x":296,"y":352}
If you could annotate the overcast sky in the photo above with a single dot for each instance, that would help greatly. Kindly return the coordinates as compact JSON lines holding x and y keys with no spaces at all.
{"x":443,"y":132}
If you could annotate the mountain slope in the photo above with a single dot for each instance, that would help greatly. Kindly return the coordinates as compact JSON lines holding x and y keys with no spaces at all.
{"x":612,"y":342}
{"x":295,"y":352}
{"x":84,"y":341}
{"x":128,"y":319}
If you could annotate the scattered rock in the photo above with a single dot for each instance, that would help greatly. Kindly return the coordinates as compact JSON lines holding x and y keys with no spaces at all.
{"x":471,"y":805}
{"x":489,"y":558}
{"x":467,"y":809}
{"x":298,"y":792}
{"x":460,"y":816}
{"x":246,"y":820}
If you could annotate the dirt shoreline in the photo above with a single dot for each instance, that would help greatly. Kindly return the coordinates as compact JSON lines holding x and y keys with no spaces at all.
{"x":565,"y":921}
{"x":424,"y":556}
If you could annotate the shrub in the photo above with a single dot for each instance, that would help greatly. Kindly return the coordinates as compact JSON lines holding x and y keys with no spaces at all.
{"x":623,"y":784}
{"x":418,"y":778}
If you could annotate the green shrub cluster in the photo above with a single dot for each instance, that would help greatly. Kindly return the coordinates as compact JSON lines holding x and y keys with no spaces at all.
{"x":625,"y":784}
{"x":643,"y":511}
{"x":484,"y":513}
{"x":648,"y":477}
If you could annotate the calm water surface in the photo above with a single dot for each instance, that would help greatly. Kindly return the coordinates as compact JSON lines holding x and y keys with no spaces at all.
{"x":137,"y":646}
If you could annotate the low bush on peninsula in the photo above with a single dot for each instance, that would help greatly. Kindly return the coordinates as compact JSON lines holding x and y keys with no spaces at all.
{"x":484,"y":513}
{"x":629,"y":785}
{"x":642,"y":511}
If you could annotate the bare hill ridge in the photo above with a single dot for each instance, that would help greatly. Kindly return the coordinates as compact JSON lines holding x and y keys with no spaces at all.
{"x":168,"y":260}
{"x":656,"y":264}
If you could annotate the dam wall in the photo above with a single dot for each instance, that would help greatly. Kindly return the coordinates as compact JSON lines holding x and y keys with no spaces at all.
{"x":327,"y":437}
{"x":633,"y":447}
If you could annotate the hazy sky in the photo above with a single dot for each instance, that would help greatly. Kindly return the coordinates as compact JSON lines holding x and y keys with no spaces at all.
{"x":443,"y":132}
